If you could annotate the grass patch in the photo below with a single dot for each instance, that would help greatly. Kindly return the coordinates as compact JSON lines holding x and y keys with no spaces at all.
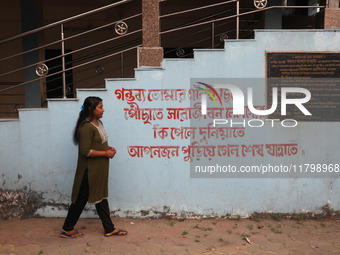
{"x":214,"y":223}
{"x":250,"y":226}
{"x":83,"y":227}
{"x":243,"y":235}
{"x":255,"y":219}
{"x":172,"y":223}
{"x":229,"y":231}
{"x":184,"y":233}
{"x":235,"y":217}
{"x":297,"y":217}
{"x":320,"y":217}
{"x":277,"y":217}
{"x":275,"y":230}
{"x":202,"y":229}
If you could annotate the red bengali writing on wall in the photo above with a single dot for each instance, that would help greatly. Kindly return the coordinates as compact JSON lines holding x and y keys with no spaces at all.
{"x":140,"y":95}
{"x":196,"y":151}
{"x":150,"y":116}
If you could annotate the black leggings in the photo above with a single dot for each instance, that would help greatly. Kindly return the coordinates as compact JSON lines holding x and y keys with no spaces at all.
{"x":76,"y":209}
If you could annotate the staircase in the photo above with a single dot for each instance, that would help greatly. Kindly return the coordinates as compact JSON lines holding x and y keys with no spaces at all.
{"x":85,"y":49}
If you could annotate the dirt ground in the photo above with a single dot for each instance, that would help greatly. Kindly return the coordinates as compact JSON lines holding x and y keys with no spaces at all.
{"x":164,"y":236}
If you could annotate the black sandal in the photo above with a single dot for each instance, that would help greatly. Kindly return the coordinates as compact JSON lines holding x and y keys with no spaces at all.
{"x":71,"y":234}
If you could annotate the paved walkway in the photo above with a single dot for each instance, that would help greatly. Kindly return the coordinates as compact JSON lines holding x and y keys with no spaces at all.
{"x":163,"y":236}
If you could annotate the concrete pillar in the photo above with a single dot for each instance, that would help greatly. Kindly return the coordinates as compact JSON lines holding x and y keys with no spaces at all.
{"x":334,"y":3}
{"x":332,"y":14}
{"x":29,"y":21}
{"x":151,"y":54}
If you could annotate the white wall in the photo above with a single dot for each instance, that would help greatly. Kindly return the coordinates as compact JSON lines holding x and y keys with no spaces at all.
{"x":37,"y":154}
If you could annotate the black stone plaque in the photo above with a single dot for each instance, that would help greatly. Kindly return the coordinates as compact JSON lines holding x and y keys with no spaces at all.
{"x":317,"y":72}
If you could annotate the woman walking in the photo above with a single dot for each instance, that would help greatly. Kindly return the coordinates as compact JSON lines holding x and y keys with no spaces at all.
{"x":91,"y":178}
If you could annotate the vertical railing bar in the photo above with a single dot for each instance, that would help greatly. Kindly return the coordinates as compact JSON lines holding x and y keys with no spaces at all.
{"x":63,"y":60}
{"x":212,"y":35}
{"x":122,"y":64}
{"x":237,"y":19}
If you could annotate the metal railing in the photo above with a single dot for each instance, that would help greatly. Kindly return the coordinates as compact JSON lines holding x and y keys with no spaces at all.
{"x":236,"y":16}
{"x":61,"y":22}
{"x":120,"y":28}
{"x":229,"y":18}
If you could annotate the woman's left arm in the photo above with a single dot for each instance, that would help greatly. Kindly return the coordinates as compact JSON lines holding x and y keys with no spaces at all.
{"x":106,"y":153}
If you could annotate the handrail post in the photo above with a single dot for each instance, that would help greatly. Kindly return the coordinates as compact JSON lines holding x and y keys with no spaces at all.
{"x":237,"y":19}
{"x":63,"y":59}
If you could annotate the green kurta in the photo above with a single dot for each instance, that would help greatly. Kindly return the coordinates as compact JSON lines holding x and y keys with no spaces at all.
{"x":98,"y":167}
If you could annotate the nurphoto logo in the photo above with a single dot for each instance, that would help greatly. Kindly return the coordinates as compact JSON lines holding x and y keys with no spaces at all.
{"x":239,"y":102}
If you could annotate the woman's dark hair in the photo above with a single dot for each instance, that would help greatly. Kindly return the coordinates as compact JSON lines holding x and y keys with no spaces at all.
{"x":90,"y":103}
